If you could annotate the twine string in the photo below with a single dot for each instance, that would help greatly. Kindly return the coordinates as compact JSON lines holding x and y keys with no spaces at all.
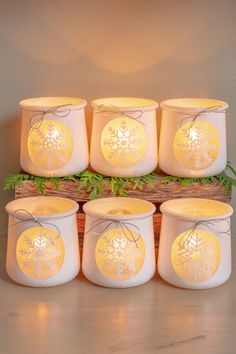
{"x":210,"y":224}
{"x":193,"y":117}
{"x":112,"y":109}
{"x":124,"y":225}
{"x":40,"y":116}
{"x":32,"y":218}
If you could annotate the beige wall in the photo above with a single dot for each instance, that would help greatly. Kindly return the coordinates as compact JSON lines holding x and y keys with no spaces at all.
{"x":154,"y":48}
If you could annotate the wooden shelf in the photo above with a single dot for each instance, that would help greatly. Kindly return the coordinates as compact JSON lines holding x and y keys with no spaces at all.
{"x":156,"y":193}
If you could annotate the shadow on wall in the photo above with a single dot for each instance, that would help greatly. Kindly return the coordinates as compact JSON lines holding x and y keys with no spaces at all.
{"x":143,"y":35}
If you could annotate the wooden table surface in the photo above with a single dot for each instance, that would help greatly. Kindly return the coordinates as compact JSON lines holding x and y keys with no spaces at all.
{"x":82,"y":318}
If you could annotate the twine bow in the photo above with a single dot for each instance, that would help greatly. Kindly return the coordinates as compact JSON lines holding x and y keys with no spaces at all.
{"x":124,"y":225}
{"x":40,"y":116}
{"x":103,"y":108}
{"x":210,"y":224}
{"x":32,"y":218}
{"x":193,"y":117}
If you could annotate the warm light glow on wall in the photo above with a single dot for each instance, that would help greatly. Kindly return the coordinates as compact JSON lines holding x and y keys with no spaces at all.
{"x":50,"y":144}
{"x":196,"y":146}
{"x":40,"y":252}
{"x":123,"y":142}
{"x":117,"y":257}
{"x":195,"y":256}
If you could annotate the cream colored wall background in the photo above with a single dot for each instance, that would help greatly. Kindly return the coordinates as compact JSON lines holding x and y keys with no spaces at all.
{"x":150,"y":48}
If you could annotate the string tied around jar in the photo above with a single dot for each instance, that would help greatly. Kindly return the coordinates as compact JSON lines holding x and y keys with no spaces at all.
{"x":210,"y":224}
{"x":135,"y":114}
{"x":29,"y":217}
{"x":193,"y":117}
{"x":41,"y":115}
{"x":124,"y":225}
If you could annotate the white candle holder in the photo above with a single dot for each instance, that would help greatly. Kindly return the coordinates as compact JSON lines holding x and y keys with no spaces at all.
{"x":195,"y":243}
{"x":124,"y":136}
{"x":193,"y":137}
{"x":53,"y":136}
{"x":119,"y":242}
{"x":42,"y":248}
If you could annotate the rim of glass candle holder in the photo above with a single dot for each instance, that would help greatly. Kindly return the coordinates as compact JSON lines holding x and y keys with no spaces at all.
{"x":166,"y":209}
{"x":192,"y":105}
{"x":21,"y":206}
{"x":142,"y":104}
{"x":89,"y":209}
{"x":61,"y":104}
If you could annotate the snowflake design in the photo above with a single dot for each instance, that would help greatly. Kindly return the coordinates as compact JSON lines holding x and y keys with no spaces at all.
{"x":196,"y":256}
{"x":117,"y":257}
{"x":124,"y":142}
{"x":50,"y":145}
{"x":197,"y":146}
{"x":39,"y":254}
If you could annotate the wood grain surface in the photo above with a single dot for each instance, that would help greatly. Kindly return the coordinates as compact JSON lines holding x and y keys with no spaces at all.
{"x":81,"y":318}
{"x":156,"y":193}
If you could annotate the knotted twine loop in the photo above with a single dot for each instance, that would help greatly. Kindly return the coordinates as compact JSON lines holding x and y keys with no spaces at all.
{"x":210,"y":224}
{"x":32,"y":218}
{"x":193,"y":117}
{"x":103,"y":108}
{"x":40,"y":116}
{"x":124,"y":225}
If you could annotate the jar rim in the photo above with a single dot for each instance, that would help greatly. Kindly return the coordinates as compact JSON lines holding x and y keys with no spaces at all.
{"x":24,"y":205}
{"x":45,"y":103}
{"x":191,"y":105}
{"x":172,"y":208}
{"x":91,"y":208}
{"x":125,"y":103}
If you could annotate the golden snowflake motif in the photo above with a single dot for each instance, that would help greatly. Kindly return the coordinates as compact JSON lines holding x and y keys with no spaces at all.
{"x":40,"y":252}
{"x":50,"y":145}
{"x":117,"y":257}
{"x":123,"y":142}
{"x":196,"y":255}
{"x":196,"y":146}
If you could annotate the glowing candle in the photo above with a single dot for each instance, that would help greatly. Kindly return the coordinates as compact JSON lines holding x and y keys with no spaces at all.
{"x":124,"y":138}
{"x":195,"y":243}
{"x":42,"y":247}
{"x":119,"y":242}
{"x":54,"y":137}
{"x":193,"y":137}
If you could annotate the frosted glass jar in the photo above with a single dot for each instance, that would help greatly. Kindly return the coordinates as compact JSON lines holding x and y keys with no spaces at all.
{"x":42,"y":246}
{"x":193,"y":137}
{"x":195,"y":243}
{"x":53,"y":136}
{"x":119,"y":242}
{"x":124,"y":136}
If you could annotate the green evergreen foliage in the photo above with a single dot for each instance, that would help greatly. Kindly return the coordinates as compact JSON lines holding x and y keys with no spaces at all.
{"x":223,"y":178}
{"x":95,"y":182}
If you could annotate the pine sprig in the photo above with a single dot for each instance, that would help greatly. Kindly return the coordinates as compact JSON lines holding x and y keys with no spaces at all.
{"x":95,"y":183}
{"x":40,"y":183}
{"x":223,"y":178}
{"x":14,"y":179}
{"x":56,"y":183}
{"x":186,"y":181}
{"x":118,"y":186}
